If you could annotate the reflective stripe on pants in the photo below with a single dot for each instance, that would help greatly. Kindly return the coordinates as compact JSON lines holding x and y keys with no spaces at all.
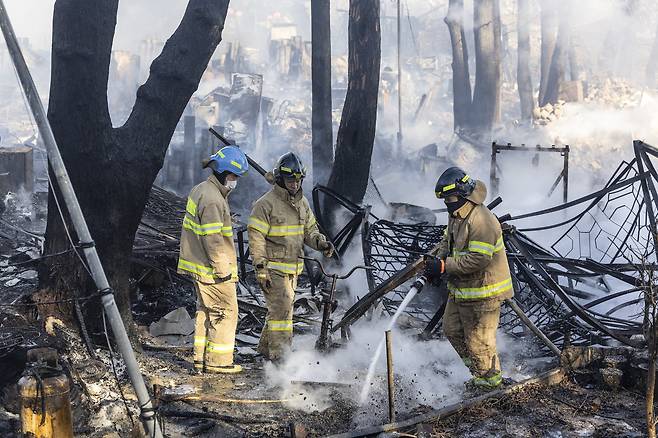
{"x":216,"y":322}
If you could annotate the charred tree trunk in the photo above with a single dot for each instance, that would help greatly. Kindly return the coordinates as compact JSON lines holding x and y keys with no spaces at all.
{"x":556,"y":71}
{"x":549,"y":29}
{"x":652,"y":65}
{"x":323,"y":141}
{"x":576,"y":69}
{"x":461,"y":79}
{"x":112,"y":169}
{"x":523,"y":75}
{"x":486,"y":96}
{"x":356,"y":134}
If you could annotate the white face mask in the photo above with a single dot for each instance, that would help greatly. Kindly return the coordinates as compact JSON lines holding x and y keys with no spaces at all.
{"x":231,"y":185}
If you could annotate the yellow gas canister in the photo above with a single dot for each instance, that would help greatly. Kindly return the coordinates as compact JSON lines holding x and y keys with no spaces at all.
{"x":44,"y":395}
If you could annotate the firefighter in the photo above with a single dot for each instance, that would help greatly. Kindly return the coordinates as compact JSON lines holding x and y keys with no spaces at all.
{"x":207,"y":254}
{"x":472,"y":255}
{"x":281,"y":222}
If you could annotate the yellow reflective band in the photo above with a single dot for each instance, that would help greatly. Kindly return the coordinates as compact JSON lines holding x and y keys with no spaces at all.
{"x":202,"y":230}
{"x":481,"y":247}
{"x":286,"y":268}
{"x":474,"y":293}
{"x":297,"y":175}
{"x":500,"y":245}
{"x":466,"y":178}
{"x":258,"y":225}
{"x":280,"y":326}
{"x":191,"y":207}
{"x":212,"y":347}
{"x":200,"y":340}
{"x":456,"y":254}
{"x":221,"y":154}
{"x":204,"y":271}
{"x":448,"y":187}
{"x":227,"y":231}
{"x":236,"y":164}
{"x":286,"y":230}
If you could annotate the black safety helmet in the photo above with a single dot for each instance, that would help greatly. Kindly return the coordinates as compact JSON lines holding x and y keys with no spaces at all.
{"x":289,"y":166}
{"x":454,"y":181}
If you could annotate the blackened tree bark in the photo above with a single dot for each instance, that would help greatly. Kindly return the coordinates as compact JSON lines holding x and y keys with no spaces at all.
{"x":112,"y":169}
{"x":461,"y":79}
{"x":486,"y":95}
{"x":321,"y":118}
{"x":576,"y":69}
{"x":549,"y":30}
{"x":652,"y":65}
{"x":523,"y":75}
{"x":356,"y":134}
{"x":556,"y":71}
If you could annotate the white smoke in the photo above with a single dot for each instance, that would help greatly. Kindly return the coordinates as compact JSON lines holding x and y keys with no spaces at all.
{"x":427,"y":373}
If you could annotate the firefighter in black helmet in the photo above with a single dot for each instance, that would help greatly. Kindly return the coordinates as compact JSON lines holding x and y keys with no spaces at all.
{"x":281,"y":223}
{"x":472,"y":255}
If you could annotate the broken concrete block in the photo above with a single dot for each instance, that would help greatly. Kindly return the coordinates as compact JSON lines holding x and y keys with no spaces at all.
{"x":252,"y":340}
{"x":29,"y":275}
{"x":615,"y":361}
{"x":176,"y":322}
{"x":611,"y":377}
{"x":246,"y":351}
{"x":13,"y":282}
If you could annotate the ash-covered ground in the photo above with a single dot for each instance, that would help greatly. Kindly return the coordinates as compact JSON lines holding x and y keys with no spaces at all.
{"x":316,"y":392}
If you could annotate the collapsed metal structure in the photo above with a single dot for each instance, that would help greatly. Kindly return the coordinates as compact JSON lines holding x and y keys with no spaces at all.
{"x":584,"y":288}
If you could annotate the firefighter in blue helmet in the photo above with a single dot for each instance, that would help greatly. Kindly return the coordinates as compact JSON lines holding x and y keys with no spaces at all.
{"x":207,"y":254}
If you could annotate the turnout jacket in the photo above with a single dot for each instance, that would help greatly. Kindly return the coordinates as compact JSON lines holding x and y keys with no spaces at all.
{"x":279,"y":226}
{"x":207,"y":252}
{"x":474,"y":252}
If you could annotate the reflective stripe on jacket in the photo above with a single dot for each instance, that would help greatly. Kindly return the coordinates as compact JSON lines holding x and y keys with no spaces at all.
{"x":207,"y":251}
{"x":473,"y":248}
{"x":279,"y":226}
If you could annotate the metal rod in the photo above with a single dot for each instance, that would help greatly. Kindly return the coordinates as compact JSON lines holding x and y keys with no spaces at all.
{"x":250,"y":160}
{"x":399,"y":79}
{"x":81,"y":229}
{"x":648,"y":202}
{"x":533,"y":328}
{"x":493,"y":179}
{"x":565,"y":175}
{"x":243,"y":255}
{"x":391,"y":381}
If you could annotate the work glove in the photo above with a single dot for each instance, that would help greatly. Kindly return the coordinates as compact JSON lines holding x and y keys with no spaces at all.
{"x":327,"y":248}
{"x":434,"y":269}
{"x":263,"y":277}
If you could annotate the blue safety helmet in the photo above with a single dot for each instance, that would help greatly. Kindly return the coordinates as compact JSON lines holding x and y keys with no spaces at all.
{"x":229,"y":159}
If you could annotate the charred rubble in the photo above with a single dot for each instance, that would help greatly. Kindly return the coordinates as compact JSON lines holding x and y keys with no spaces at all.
{"x":583,"y":291}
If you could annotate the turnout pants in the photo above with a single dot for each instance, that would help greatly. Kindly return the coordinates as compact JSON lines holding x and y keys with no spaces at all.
{"x":471,"y":329}
{"x":276,"y":337}
{"x":216,"y":322}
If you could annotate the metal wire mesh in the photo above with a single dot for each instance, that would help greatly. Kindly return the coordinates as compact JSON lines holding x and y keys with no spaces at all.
{"x":389,"y":247}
